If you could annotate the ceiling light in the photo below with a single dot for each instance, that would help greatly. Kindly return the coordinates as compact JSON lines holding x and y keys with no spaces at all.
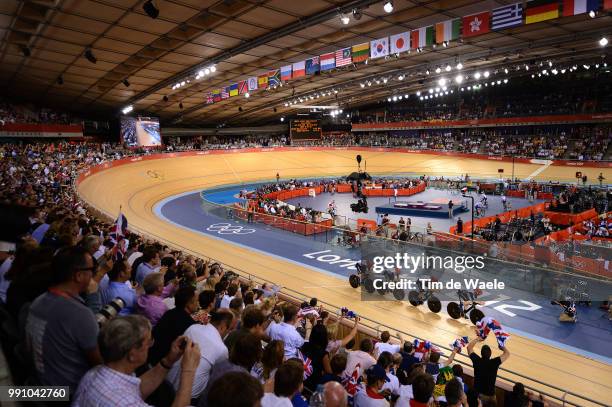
{"x":183,"y":83}
{"x":150,"y":9}
{"x":418,"y":93}
{"x":477,"y":75}
{"x":438,"y":70}
{"x":213,"y":68}
{"x":127,"y":109}
{"x":388,"y":99}
{"x":247,"y":95}
{"x":585,"y":66}
{"x":469,"y":88}
{"x":384,"y":80}
{"x":421,"y":98}
{"x":448,"y":68}
{"x":362,"y":85}
{"x":437,"y":89}
{"x":444,"y":44}
{"x":462,"y":89}
{"x":499,"y":81}
{"x":592,"y":13}
{"x":442,"y":81}
{"x":400,"y":97}
{"x":526,"y":67}
{"x":377,"y":82}
{"x":401,"y":77}
{"x":369,"y":83}
{"x":345,"y":19}
{"x":388,"y":7}
{"x":286,"y":105}
{"x":427,"y":72}
{"x":282,"y":119}
{"x":506,"y":71}
{"x":459,"y":79}
{"x":506,"y":80}
{"x":406,"y":96}
{"x":603,"y":41}
{"x":395,"y":98}
{"x":430,"y":90}
{"x":486,"y":74}
{"x":459,"y":66}
{"x":357,"y":13}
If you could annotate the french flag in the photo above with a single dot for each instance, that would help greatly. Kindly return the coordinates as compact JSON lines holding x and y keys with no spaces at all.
{"x":575,"y":7}
{"x":328,"y":61}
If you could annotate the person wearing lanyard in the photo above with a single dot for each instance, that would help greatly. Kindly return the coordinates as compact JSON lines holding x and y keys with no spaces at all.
{"x":61,"y":331}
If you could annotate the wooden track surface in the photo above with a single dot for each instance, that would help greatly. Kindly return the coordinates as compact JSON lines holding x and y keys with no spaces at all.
{"x":140,"y":185}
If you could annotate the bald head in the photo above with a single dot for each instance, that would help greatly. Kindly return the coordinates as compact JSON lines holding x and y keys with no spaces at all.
{"x":334,"y":395}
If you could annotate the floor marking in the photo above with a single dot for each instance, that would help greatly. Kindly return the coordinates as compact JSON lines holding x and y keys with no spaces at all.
{"x":539,"y":170}
{"x":234,"y":171}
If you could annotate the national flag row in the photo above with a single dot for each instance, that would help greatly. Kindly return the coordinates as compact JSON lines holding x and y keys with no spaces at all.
{"x":500,"y":18}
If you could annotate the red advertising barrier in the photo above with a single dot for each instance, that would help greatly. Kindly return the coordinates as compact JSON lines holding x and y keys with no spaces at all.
{"x":567,"y":219}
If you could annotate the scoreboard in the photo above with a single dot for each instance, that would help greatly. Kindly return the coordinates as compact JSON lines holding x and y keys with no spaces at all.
{"x":305,"y":129}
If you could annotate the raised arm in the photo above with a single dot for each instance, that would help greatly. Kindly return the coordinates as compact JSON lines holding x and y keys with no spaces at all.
{"x":351,"y":334}
{"x":470,"y":347}
{"x":505,"y":355}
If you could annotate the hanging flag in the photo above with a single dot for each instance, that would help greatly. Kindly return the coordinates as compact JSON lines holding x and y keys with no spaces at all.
{"x":209,"y":98}
{"x":274,"y":78}
{"x":343,"y":57}
{"x":361,"y":52}
{"x":379,"y":48}
{"x":448,"y":30}
{"x":476,"y":24}
{"x":285,"y":72}
{"x":299,"y":69}
{"x":216,"y":94}
{"x":422,"y":37}
{"x":328,"y":61}
{"x":233,"y":89}
{"x":243,"y":87}
{"x":313,"y":65}
{"x":574,"y":7}
{"x":253,"y":83}
{"x":541,"y":10}
{"x":262,"y":81}
{"x":507,"y":16}
{"x":117,"y":236}
{"x":225,"y":93}
{"x":400,"y":42}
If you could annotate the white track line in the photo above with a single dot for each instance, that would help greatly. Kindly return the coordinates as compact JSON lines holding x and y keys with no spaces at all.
{"x":539,"y":170}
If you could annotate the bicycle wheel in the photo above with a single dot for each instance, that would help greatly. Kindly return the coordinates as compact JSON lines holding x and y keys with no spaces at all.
{"x":476,"y":315}
{"x":354,"y":280}
{"x":434,"y":304}
{"x":368,"y":284}
{"x":413,"y":298}
{"x":453,"y":310}
{"x":399,"y":294}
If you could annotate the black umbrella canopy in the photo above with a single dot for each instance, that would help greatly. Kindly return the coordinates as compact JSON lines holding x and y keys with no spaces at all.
{"x":356,"y":176}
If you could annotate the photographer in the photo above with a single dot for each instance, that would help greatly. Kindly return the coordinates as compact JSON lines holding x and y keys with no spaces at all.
{"x":124,"y":344}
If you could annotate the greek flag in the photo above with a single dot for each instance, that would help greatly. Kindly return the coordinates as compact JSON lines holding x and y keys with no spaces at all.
{"x":507,"y":16}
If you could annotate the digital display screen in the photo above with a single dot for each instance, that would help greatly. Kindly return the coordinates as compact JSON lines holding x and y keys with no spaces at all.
{"x":140,"y":131}
{"x":305,"y":129}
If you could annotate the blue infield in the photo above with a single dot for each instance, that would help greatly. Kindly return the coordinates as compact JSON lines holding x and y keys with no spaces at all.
{"x":529,"y":316}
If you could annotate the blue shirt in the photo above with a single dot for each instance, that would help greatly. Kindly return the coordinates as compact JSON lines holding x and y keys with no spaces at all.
{"x":299,"y":401}
{"x":143,"y":270}
{"x":127,"y":294}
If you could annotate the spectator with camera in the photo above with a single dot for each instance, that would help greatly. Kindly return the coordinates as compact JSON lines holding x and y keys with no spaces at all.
{"x":210,"y":339}
{"x":124,"y":345}
{"x":61,"y":331}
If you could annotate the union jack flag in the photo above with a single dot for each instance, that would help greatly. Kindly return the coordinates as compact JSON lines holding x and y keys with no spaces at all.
{"x":351,"y":383}
{"x":488,"y":324}
{"x":117,"y":236}
{"x":460,"y":343}
{"x":307,"y":365}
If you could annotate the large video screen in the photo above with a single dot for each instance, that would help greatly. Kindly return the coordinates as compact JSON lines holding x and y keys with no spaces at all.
{"x":140,"y":131}
{"x":305,"y":129}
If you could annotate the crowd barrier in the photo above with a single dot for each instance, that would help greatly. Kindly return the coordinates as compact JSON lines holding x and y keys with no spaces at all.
{"x":505,"y":217}
{"x":568,"y":219}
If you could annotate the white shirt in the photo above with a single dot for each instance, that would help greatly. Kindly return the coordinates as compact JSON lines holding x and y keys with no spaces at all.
{"x":381,"y":347}
{"x":4,"y":284}
{"x":362,"y":399}
{"x":365,"y":360}
{"x":405,"y":394}
{"x":272,"y":400}
{"x":393,"y":384}
{"x":290,"y":337}
{"x":212,"y":349}
{"x":225,"y":301}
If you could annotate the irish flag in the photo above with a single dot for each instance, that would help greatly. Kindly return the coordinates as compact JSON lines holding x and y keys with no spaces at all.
{"x":574,"y":7}
{"x":422,"y":37}
{"x":299,"y":69}
{"x":448,"y":30}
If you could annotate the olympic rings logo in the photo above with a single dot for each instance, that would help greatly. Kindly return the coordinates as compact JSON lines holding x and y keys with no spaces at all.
{"x":229,"y":229}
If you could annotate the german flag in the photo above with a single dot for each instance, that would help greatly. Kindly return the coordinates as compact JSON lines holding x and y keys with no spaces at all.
{"x":541,"y":10}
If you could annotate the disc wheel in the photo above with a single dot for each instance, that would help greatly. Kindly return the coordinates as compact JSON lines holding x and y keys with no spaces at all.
{"x":434,"y":304}
{"x":453,"y":310}
{"x":413,"y":298}
{"x":368,"y":284}
{"x":354,"y":280}
{"x":399,"y":294}
{"x":476,"y":315}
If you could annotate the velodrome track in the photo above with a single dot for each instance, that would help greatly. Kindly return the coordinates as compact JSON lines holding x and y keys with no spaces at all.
{"x":139,"y":185}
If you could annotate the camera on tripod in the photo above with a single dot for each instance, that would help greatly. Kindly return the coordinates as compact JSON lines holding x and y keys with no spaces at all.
{"x":109,"y":311}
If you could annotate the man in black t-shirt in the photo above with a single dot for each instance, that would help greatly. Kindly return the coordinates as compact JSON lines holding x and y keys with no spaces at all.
{"x":485,"y":369}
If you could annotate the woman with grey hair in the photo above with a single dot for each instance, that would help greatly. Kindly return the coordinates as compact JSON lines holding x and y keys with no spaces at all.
{"x":124,"y":344}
